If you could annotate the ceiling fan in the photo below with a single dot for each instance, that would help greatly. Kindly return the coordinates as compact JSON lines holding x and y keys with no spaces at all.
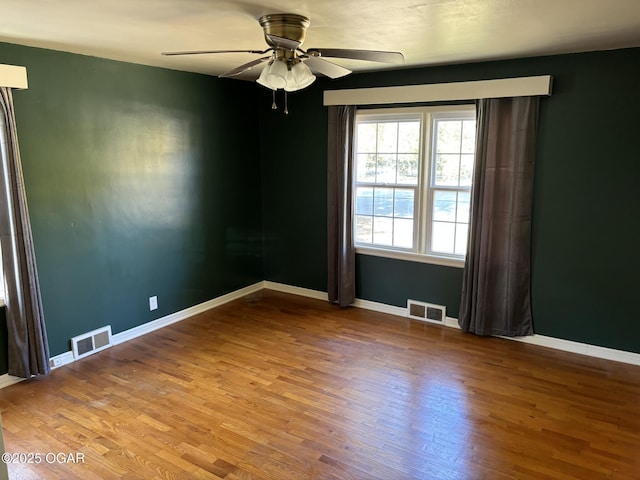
{"x":290,"y":67}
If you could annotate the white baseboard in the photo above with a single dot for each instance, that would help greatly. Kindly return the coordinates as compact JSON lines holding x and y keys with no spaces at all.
{"x":540,"y":340}
{"x":451,"y":322}
{"x":303,"y":292}
{"x":67,"y":357}
{"x":7,"y":380}
{"x":380,"y":307}
{"x":61,"y":360}
{"x":580,"y":348}
{"x":183,"y":314}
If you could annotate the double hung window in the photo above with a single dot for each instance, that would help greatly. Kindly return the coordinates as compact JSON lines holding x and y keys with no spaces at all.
{"x":412,"y":182}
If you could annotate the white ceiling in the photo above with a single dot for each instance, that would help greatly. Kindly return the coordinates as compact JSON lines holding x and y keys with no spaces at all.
{"x":428,"y":32}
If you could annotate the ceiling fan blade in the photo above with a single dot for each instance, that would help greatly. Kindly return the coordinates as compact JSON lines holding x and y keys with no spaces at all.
{"x":325,"y":67}
{"x":282,"y":42}
{"x":206,"y":52}
{"x":244,"y":68}
{"x":370,"y":55}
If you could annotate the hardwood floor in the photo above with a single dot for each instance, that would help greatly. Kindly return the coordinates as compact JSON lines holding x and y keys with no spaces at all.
{"x":280,"y":387}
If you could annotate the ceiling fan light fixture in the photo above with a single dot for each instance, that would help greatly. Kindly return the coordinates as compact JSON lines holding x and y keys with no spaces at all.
{"x":276,"y":77}
{"x":262,"y":79}
{"x":289,"y":66}
{"x":299,"y":77}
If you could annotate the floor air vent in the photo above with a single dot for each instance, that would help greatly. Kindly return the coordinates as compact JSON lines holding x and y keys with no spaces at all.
{"x":426,"y":311}
{"x":91,"y":342}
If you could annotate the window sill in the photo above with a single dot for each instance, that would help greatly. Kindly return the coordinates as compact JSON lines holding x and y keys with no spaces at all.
{"x":411,"y":257}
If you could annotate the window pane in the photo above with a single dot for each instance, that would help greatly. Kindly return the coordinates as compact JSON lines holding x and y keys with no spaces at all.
{"x":367,"y":136}
{"x":388,"y":137}
{"x":386,"y":171}
{"x":464,"y":203}
{"x":364,"y":200}
{"x":444,"y":206}
{"x":462,"y":230}
{"x":407,"y":169}
{"x":403,"y":233}
{"x":469,"y":136}
{"x":447,"y":170}
{"x":448,"y":136}
{"x":466,"y":170}
{"x":409,"y":137}
{"x":364,"y":229}
{"x":383,"y":231}
{"x":366,"y":168}
{"x":443,"y":237}
{"x":403,"y":206}
{"x":383,"y":201}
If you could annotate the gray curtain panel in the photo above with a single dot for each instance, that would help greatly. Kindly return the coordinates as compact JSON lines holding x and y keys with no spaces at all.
{"x":28,"y":349}
{"x":341,"y":250}
{"x":496,"y":292}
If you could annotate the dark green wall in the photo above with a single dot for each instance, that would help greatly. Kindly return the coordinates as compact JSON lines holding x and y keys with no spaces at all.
{"x":586,"y":228}
{"x":294,"y":178}
{"x":141,"y":181}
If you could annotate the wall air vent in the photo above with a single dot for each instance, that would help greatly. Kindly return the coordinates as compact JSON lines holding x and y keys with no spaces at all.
{"x":427,"y":312}
{"x":91,"y":342}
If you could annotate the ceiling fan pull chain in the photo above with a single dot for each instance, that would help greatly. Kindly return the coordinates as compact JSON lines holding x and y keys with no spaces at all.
{"x":286,"y":108}
{"x":274,"y":106}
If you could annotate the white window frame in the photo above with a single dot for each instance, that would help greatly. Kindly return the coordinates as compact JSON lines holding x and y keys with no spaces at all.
{"x":425,"y":189}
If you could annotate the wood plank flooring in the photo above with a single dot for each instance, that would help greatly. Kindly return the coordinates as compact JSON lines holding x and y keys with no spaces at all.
{"x":279,"y":387}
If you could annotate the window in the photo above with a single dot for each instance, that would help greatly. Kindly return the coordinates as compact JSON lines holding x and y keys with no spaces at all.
{"x":412,"y":182}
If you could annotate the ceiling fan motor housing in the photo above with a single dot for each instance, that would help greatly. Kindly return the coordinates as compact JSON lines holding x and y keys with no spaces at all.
{"x":284,"y":25}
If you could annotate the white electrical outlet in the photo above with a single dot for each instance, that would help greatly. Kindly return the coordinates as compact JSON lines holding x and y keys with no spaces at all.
{"x":153,"y":303}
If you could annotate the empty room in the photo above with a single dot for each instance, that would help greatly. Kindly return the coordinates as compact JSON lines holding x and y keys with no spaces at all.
{"x":331,"y":240}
